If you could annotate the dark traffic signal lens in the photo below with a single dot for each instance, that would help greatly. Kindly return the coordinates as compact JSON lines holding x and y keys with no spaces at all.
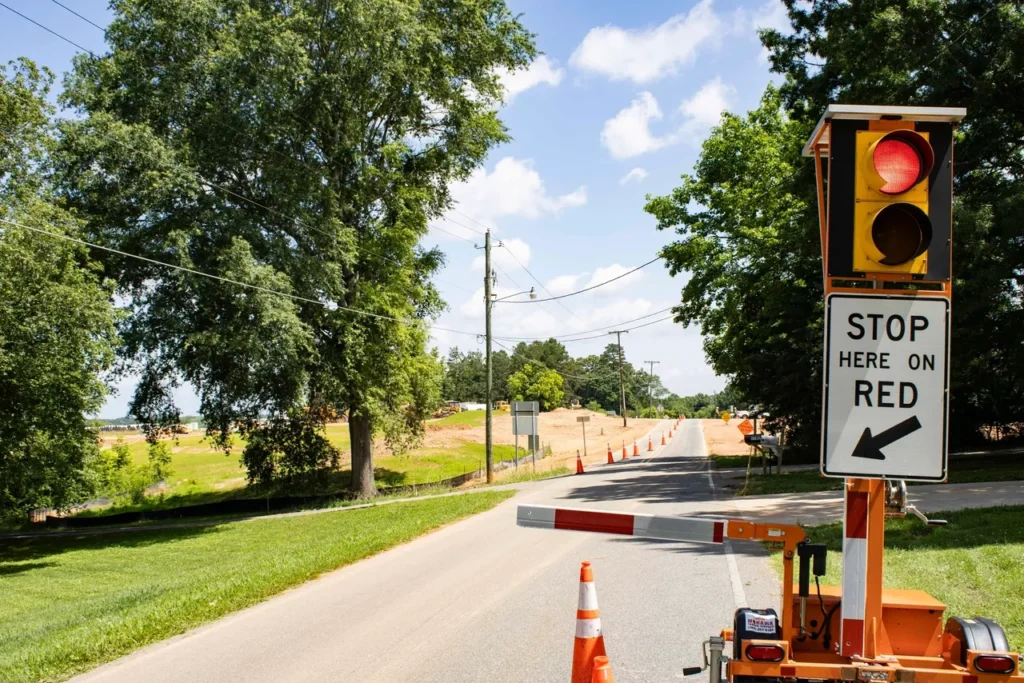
{"x":901,"y":232}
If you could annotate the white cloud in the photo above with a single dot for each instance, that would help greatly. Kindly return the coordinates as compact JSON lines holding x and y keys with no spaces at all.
{"x":563,"y":284}
{"x":501,"y":257}
{"x":637,"y":174}
{"x":607,"y":273}
{"x":513,"y":188}
{"x":645,"y":55}
{"x":542,"y":70}
{"x":772,"y":14}
{"x":628,"y":133}
{"x":704,"y":109}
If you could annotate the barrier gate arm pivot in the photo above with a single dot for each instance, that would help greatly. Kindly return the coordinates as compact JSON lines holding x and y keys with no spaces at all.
{"x":684,"y":529}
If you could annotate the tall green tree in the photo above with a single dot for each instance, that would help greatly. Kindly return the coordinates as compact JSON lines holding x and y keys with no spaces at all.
{"x":298,"y":146}
{"x":535,"y":383}
{"x":747,"y":233}
{"x":57,"y":328}
{"x":940,"y":53}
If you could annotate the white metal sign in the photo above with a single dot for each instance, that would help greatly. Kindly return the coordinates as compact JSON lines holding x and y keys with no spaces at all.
{"x":886,"y":387}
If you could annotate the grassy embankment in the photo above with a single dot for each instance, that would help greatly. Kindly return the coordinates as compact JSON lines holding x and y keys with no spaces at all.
{"x":967,"y":470}
{"x":975,"y":565}
{"x":72,"y":603}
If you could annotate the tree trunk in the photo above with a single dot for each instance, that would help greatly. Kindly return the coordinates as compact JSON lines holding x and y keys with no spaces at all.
{"x":361,"y":435}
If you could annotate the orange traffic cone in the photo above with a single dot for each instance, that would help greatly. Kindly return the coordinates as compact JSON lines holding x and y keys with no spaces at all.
{"x":589,"y":641}
{"x":636,"y":450}
{"x":611,"y":458}
{"x":670,"y":433}
{"x":650,"y":443}
{"x":602,"y":671}
{"x":579,"y":463}
{"x":624,"y":450}
{"x":663,"y":438}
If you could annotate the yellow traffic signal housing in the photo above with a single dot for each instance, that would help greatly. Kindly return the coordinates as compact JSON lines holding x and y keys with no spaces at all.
{"x":891,"y":228}
{"x":885,"y":193}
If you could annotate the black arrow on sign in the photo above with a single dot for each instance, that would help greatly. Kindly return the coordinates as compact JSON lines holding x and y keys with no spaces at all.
{"x":870,"y":447}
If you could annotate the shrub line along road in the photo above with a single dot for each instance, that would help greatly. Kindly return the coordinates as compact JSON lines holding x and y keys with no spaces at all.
{"x":485,"y":600}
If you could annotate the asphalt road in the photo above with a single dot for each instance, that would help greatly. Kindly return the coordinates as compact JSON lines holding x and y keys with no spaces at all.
{"x":484,"y":600}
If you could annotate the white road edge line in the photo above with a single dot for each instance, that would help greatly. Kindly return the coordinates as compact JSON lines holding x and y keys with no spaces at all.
{"x":739,"y":596}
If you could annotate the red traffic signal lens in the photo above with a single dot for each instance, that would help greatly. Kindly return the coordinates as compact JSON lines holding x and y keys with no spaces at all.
{"x":994,"y":664}
{"x":901,"y":232}
{"x":902,"y":159}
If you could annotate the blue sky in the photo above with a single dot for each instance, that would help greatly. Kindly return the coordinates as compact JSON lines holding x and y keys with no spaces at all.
{"x":616,"y":108}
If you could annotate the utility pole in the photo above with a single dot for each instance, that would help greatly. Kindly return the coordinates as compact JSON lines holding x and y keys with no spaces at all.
{"x":650,"y":383}
{"x":622,"y":383}
{"x":488,"y":448}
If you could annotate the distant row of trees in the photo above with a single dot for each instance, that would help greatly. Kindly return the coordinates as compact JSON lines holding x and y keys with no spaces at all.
{"x":545,"y":371}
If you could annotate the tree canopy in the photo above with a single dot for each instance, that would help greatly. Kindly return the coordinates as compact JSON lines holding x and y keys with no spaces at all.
{"x":299,"y":148}
{"x":746,"y":216}
{"x":57,"y":330}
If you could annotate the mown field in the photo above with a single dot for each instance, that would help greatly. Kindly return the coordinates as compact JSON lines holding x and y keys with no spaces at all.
{"x":71,"y":603}
{"x":202,"y":473}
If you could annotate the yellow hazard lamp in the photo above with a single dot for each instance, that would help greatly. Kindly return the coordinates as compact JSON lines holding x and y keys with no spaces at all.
{"x":892,"y":231}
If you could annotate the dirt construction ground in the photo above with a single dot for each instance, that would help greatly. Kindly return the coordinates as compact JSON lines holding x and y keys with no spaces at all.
{"x":561,"y":431}
{"x":723,"y":438}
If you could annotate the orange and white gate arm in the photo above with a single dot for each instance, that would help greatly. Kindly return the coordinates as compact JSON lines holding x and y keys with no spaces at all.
{"x":666,"y":528}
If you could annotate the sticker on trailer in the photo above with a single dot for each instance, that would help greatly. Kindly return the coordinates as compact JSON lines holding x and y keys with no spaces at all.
{"x":760,"y":623}
{"x":886,"y":393}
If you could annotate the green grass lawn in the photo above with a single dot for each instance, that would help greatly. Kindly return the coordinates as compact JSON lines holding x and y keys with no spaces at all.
{"x":964,"y":471}
{"x":428,"y":465}
{"x":202,"y":474}
{"x":197,"y":467}
{"x":975,"y":565}
{"x":472,"y":418}
{"x":731,"y":461}
{"x":70,"y":604}
{"x":524,"y":474}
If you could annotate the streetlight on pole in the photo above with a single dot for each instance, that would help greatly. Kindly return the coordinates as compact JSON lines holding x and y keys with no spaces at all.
{"x":489,"y":302}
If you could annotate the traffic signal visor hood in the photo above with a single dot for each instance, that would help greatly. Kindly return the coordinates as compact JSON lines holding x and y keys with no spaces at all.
{"x":870,"y":112}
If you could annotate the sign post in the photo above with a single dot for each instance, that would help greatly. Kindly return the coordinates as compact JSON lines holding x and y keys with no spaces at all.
{"x":886,"y":395}
{"x":524,"y":421}
{"x":583,"y":420}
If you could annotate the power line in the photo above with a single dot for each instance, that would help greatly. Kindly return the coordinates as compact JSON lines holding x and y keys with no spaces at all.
{"x":565,"y":337}
{"x":449,"y":232}
{"x":330,"y":305}
{"x":470,"y":218}
{"x":90,"y":21}
{"x":48,"y":30}
{"x":463,"y":225}
{"x":523,"y":266}
{"x":587,"y":289}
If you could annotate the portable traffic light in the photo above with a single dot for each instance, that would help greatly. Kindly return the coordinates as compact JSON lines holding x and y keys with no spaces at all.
{"x":891,"y":228}
{"x":887,"y":195}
